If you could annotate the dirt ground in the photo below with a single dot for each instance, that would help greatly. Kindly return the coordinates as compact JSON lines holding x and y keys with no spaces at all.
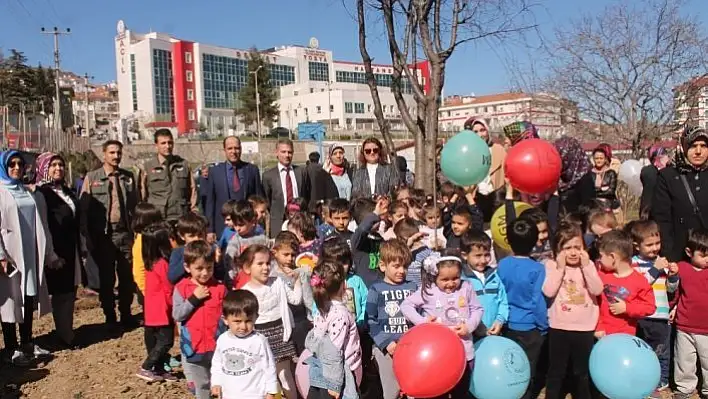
{"x":102,"y":368}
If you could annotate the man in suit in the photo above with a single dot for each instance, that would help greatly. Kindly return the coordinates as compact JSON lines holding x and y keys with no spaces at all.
{"x":230,"y":180}
{"x":282,"y":183}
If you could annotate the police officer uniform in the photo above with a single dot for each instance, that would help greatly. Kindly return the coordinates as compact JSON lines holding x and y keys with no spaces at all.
{"x":169,"y":185}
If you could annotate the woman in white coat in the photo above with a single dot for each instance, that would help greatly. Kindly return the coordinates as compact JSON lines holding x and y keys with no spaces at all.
{"x":25,"y":248}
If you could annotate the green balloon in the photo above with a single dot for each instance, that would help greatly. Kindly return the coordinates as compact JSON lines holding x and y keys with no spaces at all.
{"x":465,"y":159}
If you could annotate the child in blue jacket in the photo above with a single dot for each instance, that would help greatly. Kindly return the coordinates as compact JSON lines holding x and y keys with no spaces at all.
{"x":475,"y":246}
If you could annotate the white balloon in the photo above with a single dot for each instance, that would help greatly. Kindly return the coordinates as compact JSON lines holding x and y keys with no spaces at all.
{"x":629,"y":171}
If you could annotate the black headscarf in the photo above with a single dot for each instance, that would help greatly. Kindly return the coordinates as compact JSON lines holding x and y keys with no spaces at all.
{"x":688,"y":136}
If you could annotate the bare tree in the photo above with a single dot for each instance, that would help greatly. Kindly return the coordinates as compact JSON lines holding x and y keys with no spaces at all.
{"x":622,"y":65}
{"x":435,"y":28}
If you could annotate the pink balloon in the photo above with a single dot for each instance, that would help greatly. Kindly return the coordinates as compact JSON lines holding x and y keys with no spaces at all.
{"x":302,"y":374}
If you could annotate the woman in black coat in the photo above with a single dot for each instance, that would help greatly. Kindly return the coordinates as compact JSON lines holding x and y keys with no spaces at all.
{"x":672,"y":208}
{"x":604,"y":178}
{"x":658,"y":159}
{"x":63,"y":223}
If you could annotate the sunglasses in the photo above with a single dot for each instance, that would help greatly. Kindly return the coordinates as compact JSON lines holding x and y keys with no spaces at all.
{"x":15,"y":163}
{"x":369,"y":151}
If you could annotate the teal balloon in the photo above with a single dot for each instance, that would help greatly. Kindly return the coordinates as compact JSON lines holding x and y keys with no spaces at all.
{"x":501,"y":369}
{"x":465,"y":159}
{"x":623,"y":366}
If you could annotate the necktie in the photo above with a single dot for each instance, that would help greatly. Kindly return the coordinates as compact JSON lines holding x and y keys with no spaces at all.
{"x":288,"y":186}
{"x":236,"y":181}
{"x":121,"y":201}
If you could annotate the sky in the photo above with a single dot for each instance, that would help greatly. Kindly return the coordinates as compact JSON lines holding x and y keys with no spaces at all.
{"x":478,"y":67}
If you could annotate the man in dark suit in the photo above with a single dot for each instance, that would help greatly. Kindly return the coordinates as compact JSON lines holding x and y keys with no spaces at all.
{"x":282,"y":183}
{"x":233,"y":179}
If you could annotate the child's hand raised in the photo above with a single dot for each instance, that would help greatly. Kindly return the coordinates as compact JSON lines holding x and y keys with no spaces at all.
{"x":673,"y":269}
{"x":560,"y":260}
{"x":415,"y":238}
{"x":585,"y":259}
{"x":201,"y":292}
{"x":381,"y":206}
{"x":661,"y":263}
{"x":619,"y":307}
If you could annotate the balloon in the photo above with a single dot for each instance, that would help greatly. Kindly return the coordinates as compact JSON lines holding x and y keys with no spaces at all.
{"x":501,"y":369}
{"x":465,"y":159}
{"x":533,"y":166}
{"x":498,"y":223}
{"x":629,"y":173}
{"x":302,"y":374}
{"x":429,"y":361}
{"x":623,"y":366}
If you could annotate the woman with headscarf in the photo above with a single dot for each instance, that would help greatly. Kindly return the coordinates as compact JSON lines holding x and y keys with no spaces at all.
{"x":517,"y":132}
{"x":339,"y":169}
{"x":495,"y":179}
{"x":374,"y":176}
{"x":605,"y":177}
{"x":63,"y":224}
{"x":658,"y":159}
{"x":25,"y":248}
{"x":680,"y":200}
{"x":576,"y":187}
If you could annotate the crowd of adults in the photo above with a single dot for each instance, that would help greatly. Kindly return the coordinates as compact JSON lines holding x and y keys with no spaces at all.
{"x":47,"y":228}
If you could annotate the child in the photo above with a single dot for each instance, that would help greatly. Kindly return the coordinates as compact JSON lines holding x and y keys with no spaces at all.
{"x":260,"y":206}
{"x":355,"y":290}
{"x":461,"y":221}
{"x":145,"y":215}
{"x":691,"y":317}
{"x":190,"y":227}
{"x":407,"y":230}
{"x":296,"y":205}
{"x":302,"y":225}
{"x":334,"y":319}
{"x":416,"y":202}
{"x":339,"y":217}
{"x":523,"y":279}
{"x":572,"y":286}
{"x":285,"y":249}
{"x":243,"y":365}
{"x":599,"y":222}
{"x":248,"y":233}
{"x":384,"y":318}
{"x":226,"y":210}
{"x":435,"y":238}
{"x":366,"y":240}
{"x":196,"y":305}
{"x":627,"y":296}
{"x":159,"y":325}
{"x":542,"y":251}
{"x":275,"y":320}
{"x":445,"y":298}
{"x":475,"y":247}
{"x":654,"y":329}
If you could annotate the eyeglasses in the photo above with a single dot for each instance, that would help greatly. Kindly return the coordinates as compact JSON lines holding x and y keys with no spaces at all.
{"x":369,"y":151}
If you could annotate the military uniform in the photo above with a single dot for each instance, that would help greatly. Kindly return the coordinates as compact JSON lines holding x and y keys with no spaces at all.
{"x":107,"y":205}
{"x":169,"y":185}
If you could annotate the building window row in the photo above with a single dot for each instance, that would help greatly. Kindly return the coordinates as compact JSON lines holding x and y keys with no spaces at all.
{"x":381,"y":79}
{"x":134,"y":82}
{"x":162,"y":76}
{"x":281,"y":75}
{"x":318,"y":71}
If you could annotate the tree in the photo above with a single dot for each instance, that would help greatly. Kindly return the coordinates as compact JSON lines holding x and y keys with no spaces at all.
{"x":621,"y":65}
{"x":268,"y":95}
{"x":22,"y":84}
{"x":437,"y":27}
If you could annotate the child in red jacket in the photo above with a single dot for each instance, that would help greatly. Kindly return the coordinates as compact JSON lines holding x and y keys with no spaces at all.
{"x":627,"y":296}
{"x":159,"y":325}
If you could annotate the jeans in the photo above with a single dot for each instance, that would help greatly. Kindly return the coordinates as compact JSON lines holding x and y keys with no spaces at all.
{"x":158,"y":342}
{"x":657,"y":333}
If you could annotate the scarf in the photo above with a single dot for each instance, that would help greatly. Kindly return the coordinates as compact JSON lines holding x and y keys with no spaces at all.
{"x":332,"y":169}
{"x":469,"y":125}
{"x":658,"y":156}
{"x":4,"y":168}
{"x":519,"y":131}
{"x":686,"y":139}
{"x":575,"y":164}
{"x":42,"y":168}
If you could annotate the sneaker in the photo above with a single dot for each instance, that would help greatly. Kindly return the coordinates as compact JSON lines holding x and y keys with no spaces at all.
{"x":20,"y":359}
{"x":663,"y":386}
{"x":167,"y":368}
{"x":40,"y":352}
{"x":148,"y":375}
{"x":167,"y":376}
{"x":191,"y":388}
{"x":174,"y":363}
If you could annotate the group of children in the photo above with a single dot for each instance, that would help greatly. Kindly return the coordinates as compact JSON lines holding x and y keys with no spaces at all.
{"x":248,"y":310}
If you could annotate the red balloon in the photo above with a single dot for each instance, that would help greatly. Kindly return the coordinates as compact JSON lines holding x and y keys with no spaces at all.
{"x":533,"y":166}
{"x":429,"y":361}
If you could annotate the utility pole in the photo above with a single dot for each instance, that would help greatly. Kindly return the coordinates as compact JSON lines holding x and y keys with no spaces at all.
{"x":57,"y":100}
{"x":86,"y":99}
{"x":258,"y":116}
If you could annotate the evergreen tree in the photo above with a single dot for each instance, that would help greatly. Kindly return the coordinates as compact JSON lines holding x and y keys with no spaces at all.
{"x":268,"y":94}
{"x":22,"y":84}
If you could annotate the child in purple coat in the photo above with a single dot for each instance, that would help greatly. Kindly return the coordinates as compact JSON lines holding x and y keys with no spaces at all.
{"x":445,"y":298}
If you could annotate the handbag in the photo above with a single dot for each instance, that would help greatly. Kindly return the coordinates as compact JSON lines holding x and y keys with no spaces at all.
{"x":692,"y":199}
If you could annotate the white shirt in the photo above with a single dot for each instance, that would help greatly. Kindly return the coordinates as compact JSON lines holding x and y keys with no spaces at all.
{"x":270,"y":296}
{"x":281,"y":171}
{"x":244,"y":368}
{"x":371,"y":169}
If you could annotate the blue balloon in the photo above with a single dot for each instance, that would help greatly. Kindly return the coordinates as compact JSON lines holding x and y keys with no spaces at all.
{"x":465,"y":159}
{"x":501,"y":369}
{"x":623,"y":366}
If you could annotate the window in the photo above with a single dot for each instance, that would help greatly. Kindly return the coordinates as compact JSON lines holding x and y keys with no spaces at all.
{"x":381,"y":79}
{"x":163,"y":86}
{"x":319,"y":109}
{"x":281,"y":75}
{"x":331,"y":108}
{"x":190,"y":76}
{"x":383,"y":108}
{"x":190,"y":95}
{"x":318,"y":71}
{"x":486,"y":109}
{"x":358,"y":108}
{"x":295,"y":93}
{"x":306,"y":113}
{"x":348,"y":108}
{"x":368,"y":108}
{"x":312,"y":90}
{"x":134,"y":82}
{"x":191,"y":115}
{"x":187,"y":57}
{"x":295,"y":112}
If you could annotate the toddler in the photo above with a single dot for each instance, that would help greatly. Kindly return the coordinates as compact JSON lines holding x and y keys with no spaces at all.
{"x":226,"y":210}
{"x":366,"y":239}
{"x":248,"y":232}
{"x":144,"y":215}
{"x":339,"y":218}
{"x":260,"y":206}
{"x":296,"y":205}
{"x":302,"y":225}
{"x":408,"y":231}
{"x":355,"y":290}
{"x":445,"y":298}
{"x":190,"y":227}
{"x":435,"y":239}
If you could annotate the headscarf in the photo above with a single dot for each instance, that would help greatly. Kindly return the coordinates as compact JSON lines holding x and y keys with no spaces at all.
{"x":605,"y":149}
{"x":656,"y":155}
{"x":42,"y":167}
{"x":688,"y":136}
{"x":575,"y":163}
{"x":519,"y":131}
{"x":4,"y":169}
{"x":337,"y":170}
{"x":469,"y":125}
